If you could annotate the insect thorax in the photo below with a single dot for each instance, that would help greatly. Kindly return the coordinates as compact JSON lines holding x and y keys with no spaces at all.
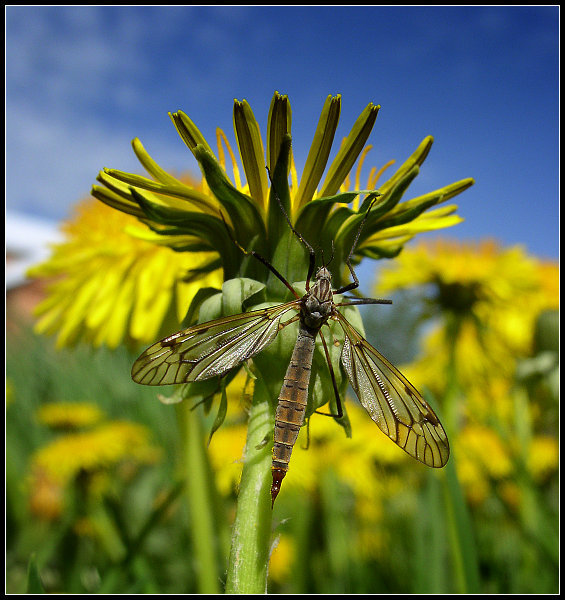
{"x":317,"y":305}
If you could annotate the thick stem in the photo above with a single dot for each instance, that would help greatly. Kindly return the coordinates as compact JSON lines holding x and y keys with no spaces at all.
{"x":249,"y":556}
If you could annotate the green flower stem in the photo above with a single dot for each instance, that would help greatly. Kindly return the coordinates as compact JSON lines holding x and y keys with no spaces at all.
{"x":249,"y":556}
{"x":200,"y":500}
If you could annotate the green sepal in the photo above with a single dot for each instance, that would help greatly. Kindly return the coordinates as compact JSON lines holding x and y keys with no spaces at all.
{"x":189,"y":132}
{"x":201,"y":296}
{"x":418,"y":205}
{"x":405,"y":214}
{"x":207,"y":267}
{"x":241,"y":209}
{"x":151,"y":166}
{"x":350,"y":149}
{"x":415,"y":159}
{"x":115,"y":200}
{"x":312,"y":219}
{"x":178,"y":190}
{"x":392,"y":196}
{"x":382,"y":250}
{"x":277,"y":225}
{"x":248,"y":137}
{"x":345,"y":236}
{"x":319,"y":151}
{"x":207,"y":227}
{"x":222,"y":411}
{"x":237,"y":294}
{"x":278,"y":127}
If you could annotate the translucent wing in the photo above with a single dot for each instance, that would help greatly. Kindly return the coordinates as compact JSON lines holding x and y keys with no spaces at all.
{"x":392,"y":401}
{"x":209,"y":349}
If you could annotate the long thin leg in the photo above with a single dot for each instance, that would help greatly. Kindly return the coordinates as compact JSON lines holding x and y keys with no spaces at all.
{"x":261,"y":259}
{"x":355,"y":284}
{"x":365,"y":301}
{"x":312,"y":263}
{"x":334,"y":383}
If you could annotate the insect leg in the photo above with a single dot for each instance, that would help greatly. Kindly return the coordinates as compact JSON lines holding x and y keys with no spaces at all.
{"x":365,"y":301}
{"x":312,"y":262}
{"x":334,"y":383}
{"x":261,"y":259}
{"x":355,"y":284}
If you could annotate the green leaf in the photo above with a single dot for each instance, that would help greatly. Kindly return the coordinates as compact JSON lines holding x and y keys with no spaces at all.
{"x":462,"y":541}
{"x":34,"y":584}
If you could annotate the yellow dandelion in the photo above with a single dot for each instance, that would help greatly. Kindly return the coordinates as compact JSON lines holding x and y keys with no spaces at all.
{"x":101,"y":448}
{"x":485,"y":447}
{"x":496,"y":295}
{"x":69,"y":415}
{"x":217,"y":211}
{"x":109,"y":285}
{"x":281,"y":559}
{"x":483,"y":458}
{"x":226,"y":451}
{"x":543,"y":457}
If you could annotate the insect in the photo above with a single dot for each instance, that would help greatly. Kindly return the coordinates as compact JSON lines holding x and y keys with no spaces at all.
{"x":213,"y":348}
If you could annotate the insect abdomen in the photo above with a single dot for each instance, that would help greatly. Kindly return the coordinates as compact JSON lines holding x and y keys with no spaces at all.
{"x":291,"y":407}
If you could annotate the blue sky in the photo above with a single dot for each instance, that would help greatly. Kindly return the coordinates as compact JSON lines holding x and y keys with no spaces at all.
{"x":81,"y":82}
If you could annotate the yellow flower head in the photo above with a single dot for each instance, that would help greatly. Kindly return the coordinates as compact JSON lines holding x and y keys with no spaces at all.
{"x":55,"y":466}
{"x":109,"y":285}
{"x":69,"y":415}
{"x":494,"y":291}
{"x":100,"y":448}
{"x":543,"y":457}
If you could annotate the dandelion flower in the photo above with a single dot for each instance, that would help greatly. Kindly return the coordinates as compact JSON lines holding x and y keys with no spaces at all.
{"x":69,"y":415}
{"x":110,"y":285}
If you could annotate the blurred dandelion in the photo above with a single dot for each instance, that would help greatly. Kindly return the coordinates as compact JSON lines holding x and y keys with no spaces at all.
{"x":110,"y":285}
{"x":486,"y":301}
{"x":88,"y":454}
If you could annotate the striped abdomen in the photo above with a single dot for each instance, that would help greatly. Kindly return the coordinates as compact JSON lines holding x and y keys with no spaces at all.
{"x":291,"y":407}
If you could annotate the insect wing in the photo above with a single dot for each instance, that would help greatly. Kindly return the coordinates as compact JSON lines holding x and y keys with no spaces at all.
{"x":209,"y":349}
{"x":392,"y":401}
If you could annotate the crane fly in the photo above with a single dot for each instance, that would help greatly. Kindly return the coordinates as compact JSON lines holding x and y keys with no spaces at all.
{"x":211,"y":349}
